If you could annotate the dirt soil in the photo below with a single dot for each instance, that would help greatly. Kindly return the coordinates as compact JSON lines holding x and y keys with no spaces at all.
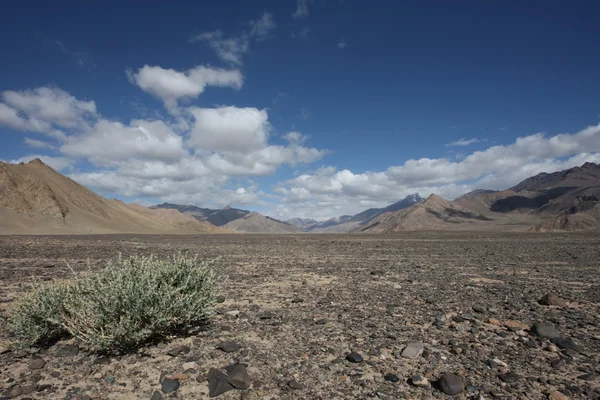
{"x":413,"y":306}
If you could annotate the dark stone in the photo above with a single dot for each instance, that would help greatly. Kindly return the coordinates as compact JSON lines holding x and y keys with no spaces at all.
{"x":157,"y":396}
{"x":238,"y":376}
{"x":23,"y":390}
{"x":67,"y":350}
{"x":391,"y":378}
{"x":110,"y":379}
{"x":321,"y":321}
{"x":220,"y":299}
{"x":228,"y":347}
{"x":552,"y":300}
{"x":37,"y":363}
{"x":509,"y":377}
{"x":217,"y":383}
{"x":293,"y":384}
{"x":566,"y":343}
{"x":169,"y":385}
{"x":101,"y":361}
{"x":588,"y":377}
{"x":479,"y":308}
{"x":545,"y":330}
{"x":354,"y":358}
{"x":451,"y":384}
{"x":178,"y":350}
{"x":266,"y":315}
{"x":297,"y":300}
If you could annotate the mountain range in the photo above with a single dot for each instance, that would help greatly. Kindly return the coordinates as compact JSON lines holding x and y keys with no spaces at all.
{"x":34,"y":198}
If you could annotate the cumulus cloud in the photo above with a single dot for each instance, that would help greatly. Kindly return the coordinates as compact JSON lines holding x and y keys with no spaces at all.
{"x":327,"y":192}
{"x":140,"y":139}
{"x":46,"y":110}
{"x":342,"y":44}
{"x":229,"y":129}
{"x":171,"y":86}
{"x":152,"y":157}
{"x":301,"y":9}
{"x":232,"y":49}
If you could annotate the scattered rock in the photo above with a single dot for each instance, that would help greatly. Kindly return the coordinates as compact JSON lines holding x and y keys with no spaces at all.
{"x":189,"y":365}
{"x":228,"y":347}
{"x":479,"y":308}
{"x":233,"y":313}
{"x":4,"y":350}
{"x":179,"y":377}
{"x":238,"y":376}
{"x":67,"y":350}
{"x":157,"y":396}
{"x":169,"y":385}
{"x":509,"y":377}
{"x":545,"y":330}
{"x":293,"y":384}
{"x":551,"y":299}
{"x":412,"y":350}
{"x":566,"y":343}
{"x":495,"y":321}
{"x":451,"y":384}
{"x":37,"y":363}
{"x":557,"y":396}
{"x":354,"y":358}
{"x":266,"y":315}
{"x":515,"y":325}
{"x":178,"y":350}
{"x":217,"y":383}
{"x":391,"y":378}
{"x":419,"y":381}
{"x":588,"y":377}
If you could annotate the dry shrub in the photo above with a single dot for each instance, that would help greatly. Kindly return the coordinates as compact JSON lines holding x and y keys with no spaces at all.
{"x":121,"y":306}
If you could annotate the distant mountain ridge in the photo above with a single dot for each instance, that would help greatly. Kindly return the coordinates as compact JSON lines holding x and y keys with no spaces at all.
{"x":257,"y":223}
{"x":217,"y":217}
{"x":347,"y":223}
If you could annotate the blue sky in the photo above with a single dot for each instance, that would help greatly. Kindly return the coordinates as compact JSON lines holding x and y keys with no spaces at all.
{"x":299,"y":108}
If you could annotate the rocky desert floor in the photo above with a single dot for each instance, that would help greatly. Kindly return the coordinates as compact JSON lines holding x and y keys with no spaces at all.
{"x":410,"y":316}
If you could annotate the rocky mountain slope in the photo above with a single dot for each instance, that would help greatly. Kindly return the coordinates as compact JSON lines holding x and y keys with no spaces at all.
{"x":586,"y":175}
{"x":217,"y":217}
{"x":34,"y":198}
{"x":435,"y":213}
{"x":257,"y":223}
{"x":303,"y":223}
{"x":347,"y":223}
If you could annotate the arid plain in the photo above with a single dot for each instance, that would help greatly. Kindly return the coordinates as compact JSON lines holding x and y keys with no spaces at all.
{"x":414,"y":306}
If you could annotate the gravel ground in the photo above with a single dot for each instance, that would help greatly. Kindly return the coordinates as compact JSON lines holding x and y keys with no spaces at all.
{"x":410,"y":316}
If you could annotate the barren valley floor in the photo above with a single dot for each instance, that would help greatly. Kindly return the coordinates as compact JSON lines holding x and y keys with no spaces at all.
{"x":297,"y":305}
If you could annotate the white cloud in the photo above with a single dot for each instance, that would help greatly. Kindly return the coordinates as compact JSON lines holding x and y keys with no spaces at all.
{"x":45,"y":110}
{"x":295,"y":137}
{"x":328,"y":192}
{"x":342,"y":44}
{"x":301,"y":9}
{"x":229,"y":129}
{"x":233,"y":48}
{"x":171,"y":86}
{"x":57,"y":163}
{"x":39,"y":144}
{"x":463,"y":142}
{"x":111,"y":142}
{"x":261,"y":27}
{"x":153,"y":158}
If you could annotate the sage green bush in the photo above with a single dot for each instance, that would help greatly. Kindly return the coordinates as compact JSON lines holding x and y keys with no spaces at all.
{"x":121,"y":306}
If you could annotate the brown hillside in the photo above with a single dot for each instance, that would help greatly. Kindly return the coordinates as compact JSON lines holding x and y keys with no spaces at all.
{"x":435,"y":213}
{"x":34,"y":198}
{"x":257,"y":223}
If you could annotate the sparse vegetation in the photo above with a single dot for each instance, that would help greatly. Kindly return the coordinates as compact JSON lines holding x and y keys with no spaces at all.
{"x":121,"y":306}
